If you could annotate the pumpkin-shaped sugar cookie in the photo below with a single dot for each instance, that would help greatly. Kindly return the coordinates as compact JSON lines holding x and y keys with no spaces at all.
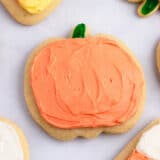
{"x":29,"y":12}
{"x":13,"y":145}
{"x":84,"y":85}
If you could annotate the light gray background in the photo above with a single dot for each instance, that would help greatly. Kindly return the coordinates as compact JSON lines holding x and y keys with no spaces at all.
{"x":116,"y":17}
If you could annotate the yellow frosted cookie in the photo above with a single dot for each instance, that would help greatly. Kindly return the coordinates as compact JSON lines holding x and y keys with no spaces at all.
{"x":35,"y":6}
{"x":29,"y":12}
{"x":84,"y":85}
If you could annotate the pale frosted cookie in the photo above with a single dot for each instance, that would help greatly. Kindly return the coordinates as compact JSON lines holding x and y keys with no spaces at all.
{"x":29,"y":12}
{"x":83,"y":86}
{"x":13,"y":144}
{"x":147,"y":7}
{"x":145,"y":146}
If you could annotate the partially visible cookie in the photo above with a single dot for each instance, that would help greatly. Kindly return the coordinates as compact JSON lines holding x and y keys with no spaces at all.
{"x":13,"y":144}
{"x":144,"y":145}
{"x":83,"y":86}
{"x":158,"y":56}
{"x":147,"y":7}
{"x":29,"y":12}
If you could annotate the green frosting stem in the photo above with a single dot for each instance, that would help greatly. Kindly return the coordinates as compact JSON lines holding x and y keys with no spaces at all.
{"x":149,"y":6}
{"x":79,"y":31}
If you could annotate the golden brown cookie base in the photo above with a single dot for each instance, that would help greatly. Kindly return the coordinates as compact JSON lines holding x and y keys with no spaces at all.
{"x":158,"y":57}
{"x":135,"y":1}
{"x":69,"y":134}
{"x":127,"y":151}
{"x":22,"y":138}
{"x":22,"y":16}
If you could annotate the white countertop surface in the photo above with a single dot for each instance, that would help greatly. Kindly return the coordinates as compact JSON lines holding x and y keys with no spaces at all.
{"x":116,"y":17}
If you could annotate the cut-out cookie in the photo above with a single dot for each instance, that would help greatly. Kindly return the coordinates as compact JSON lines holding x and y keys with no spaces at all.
{"x":83,"y":86}
{"x":147,"y":7}
{"x":29,"y":12}
{"x":158,"y":57}
{"x":145,"y":146}
{"x":13,"y":144}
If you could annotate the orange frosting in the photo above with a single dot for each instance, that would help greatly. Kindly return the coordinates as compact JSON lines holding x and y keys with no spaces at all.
{"x":137,"y":156}
{"x":88,"y":82}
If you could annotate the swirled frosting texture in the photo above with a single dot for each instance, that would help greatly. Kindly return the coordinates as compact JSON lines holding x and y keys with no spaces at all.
{"x":35,"y":6}
{"x":88,"y":82}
